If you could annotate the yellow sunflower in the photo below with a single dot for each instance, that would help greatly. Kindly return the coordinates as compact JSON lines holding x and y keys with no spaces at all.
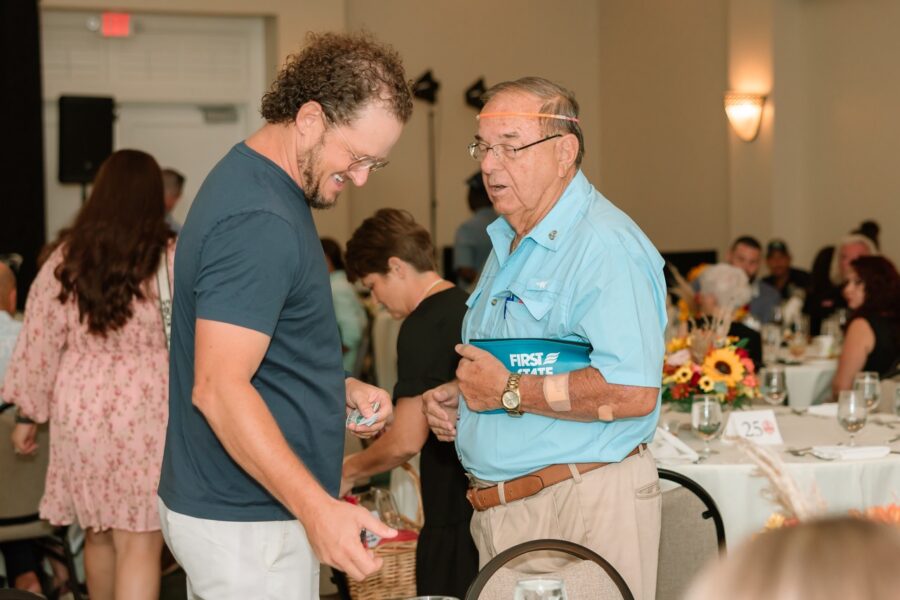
{"x":724,"y":365}
{"x":706,"y":384}
{"x":683,"y":374}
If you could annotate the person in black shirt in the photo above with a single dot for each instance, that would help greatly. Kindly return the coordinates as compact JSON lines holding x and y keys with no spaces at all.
{"x":788,"y":280}
{"x":393,"y":257}
{"x":872,"y":341}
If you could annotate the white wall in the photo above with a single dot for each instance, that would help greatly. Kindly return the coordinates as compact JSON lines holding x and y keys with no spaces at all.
{"x":462,"y":40}
{"x":649,"y":76}
{"x":161,"y":77}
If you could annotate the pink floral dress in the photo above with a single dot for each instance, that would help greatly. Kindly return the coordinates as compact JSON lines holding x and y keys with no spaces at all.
{"x":107,"y":402}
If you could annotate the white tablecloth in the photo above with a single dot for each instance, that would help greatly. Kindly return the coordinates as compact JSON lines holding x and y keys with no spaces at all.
{"x":810,"y":382}
{"x":727,"y":476}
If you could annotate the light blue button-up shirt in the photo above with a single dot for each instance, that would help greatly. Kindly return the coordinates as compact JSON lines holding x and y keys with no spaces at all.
{"x":585,"y":273}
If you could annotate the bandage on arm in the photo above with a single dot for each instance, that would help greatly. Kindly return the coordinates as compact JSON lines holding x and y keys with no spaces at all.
{"x":556,"y":392}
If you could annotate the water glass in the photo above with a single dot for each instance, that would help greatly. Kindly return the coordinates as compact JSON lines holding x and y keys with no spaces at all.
{"x":540,"y":588}
{"x":852,"y":412}
{"x":773,"y":384}
{"x":706,"y":419}
{"x":771,"y":339}
{"x":800,"y":337}
{"x":867,"y":384}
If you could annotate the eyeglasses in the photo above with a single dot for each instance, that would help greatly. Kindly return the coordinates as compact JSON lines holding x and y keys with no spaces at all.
{"x":359,"y":163}
{"x":478,"y":150}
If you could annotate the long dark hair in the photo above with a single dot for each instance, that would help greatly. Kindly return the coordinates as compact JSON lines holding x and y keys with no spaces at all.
{"x":116,"y":241}
{"x":882,"y":291}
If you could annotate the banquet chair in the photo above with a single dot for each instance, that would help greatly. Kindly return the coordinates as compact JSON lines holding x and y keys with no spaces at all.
{"x":692,"y":532}
{"x":21,"y":494}
{"x":592,"y":577}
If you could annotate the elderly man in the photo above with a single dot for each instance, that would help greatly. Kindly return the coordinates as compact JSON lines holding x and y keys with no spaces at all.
{"x":746,"y":254}
{"x":572,"y":300}
{"x":258,"y":396}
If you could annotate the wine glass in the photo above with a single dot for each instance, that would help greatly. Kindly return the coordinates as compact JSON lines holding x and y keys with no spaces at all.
{"x":800,"y":337}
{"x":771,"y":339}
{"x":852,"y":412}
{"x":866,"y":383}
{"x":773,"y":385}
{"x":706,"y":419}
{"x":540,"y":588}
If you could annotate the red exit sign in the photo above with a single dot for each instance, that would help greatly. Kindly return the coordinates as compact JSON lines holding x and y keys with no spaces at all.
{"x":115,"y":24}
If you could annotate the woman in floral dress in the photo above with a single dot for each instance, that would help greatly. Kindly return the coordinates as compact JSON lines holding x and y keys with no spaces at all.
{"x":92,"y":359}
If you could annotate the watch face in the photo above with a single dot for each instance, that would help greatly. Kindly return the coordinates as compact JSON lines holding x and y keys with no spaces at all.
{"x":510,"y":400}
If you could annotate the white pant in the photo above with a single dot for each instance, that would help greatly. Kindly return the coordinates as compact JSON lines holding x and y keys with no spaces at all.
{"x":233,"y":560}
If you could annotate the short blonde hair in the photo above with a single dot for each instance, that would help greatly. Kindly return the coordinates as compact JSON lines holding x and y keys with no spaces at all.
{"x":854,"y":238}
{"x":829,"y":559}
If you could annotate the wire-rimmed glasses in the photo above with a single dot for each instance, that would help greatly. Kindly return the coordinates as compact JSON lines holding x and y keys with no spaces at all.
{"x":479,"y":149}
{"x":358,"y":164}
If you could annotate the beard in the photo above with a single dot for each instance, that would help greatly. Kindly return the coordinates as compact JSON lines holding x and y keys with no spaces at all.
{"x":308,"y":166}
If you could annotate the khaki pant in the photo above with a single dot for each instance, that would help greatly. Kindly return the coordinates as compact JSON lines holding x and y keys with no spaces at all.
{"x":613,"y":510}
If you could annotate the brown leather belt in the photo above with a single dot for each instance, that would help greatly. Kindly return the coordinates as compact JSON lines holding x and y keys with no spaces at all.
{"x":531,"y":484}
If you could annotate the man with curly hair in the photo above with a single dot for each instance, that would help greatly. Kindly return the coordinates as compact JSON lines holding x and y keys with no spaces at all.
{"x":258,"y":396}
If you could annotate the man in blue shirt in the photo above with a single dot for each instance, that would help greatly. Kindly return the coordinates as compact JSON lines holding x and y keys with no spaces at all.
{"x":258,"y":397}
{"x":560,"y":370}
{"x":471,"y":245}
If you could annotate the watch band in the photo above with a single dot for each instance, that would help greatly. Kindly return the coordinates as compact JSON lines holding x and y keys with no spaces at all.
{"x":512,"y":385}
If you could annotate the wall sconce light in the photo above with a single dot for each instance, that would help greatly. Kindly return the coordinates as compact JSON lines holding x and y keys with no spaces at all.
{"x":744,"y":113}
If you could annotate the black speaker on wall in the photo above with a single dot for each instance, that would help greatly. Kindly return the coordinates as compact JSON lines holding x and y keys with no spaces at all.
{"x":85,"y":136}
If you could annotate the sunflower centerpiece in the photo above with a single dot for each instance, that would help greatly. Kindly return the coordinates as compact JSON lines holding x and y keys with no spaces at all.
{"x":702,"y":358}
{"x":725,"y":370}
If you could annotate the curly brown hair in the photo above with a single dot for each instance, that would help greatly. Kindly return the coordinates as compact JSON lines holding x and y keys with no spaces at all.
{"x":116,"y":242}
{"x":343,"y":73}
{"x":389,"y":232}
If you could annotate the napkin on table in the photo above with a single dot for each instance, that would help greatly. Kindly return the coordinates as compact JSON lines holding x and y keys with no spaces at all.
{"x":667,"y":448}
{"x":828,"y":409}
{"x":850,"y":452}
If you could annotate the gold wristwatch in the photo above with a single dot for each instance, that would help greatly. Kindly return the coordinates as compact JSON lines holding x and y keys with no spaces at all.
{"x":510,"y":399}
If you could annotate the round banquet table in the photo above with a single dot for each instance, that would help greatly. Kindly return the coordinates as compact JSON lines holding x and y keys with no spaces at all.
{"x":810,"y":381}
{"x":843,"y":485}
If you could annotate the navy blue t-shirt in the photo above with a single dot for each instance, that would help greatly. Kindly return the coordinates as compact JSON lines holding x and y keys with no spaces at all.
{"x":249,"y":255}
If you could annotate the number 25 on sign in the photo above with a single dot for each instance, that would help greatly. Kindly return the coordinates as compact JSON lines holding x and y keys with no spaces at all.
{"x":758,"y":426}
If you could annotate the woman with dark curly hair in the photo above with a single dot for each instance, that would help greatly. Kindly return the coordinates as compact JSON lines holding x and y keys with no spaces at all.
{"x":92,"y":359}
{"x":872,"y":342}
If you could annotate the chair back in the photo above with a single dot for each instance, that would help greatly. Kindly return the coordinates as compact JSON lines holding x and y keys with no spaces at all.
{"x":23,"y":476}
{"x":590,"y":578}
{"x":691,"y":533}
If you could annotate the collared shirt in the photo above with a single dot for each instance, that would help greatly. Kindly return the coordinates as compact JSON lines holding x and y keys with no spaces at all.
{"x":9,"y":332}
{"x":585,"y":273}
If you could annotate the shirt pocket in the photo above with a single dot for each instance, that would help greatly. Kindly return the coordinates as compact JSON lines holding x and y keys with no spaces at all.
{"x":537,"y":296}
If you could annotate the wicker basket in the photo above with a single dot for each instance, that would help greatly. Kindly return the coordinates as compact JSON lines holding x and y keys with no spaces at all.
{"x":397,"y":577}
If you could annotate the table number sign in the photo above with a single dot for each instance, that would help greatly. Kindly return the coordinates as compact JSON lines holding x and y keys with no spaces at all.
{"x":758,"y":426}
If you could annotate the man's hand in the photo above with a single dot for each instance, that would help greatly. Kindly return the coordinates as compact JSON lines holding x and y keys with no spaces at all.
{"x":333,"y":529}
{"x":23,"y":438}
{"x":481,"y":377}
{"x":440,"y":406}
{"x":363,"y":397}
